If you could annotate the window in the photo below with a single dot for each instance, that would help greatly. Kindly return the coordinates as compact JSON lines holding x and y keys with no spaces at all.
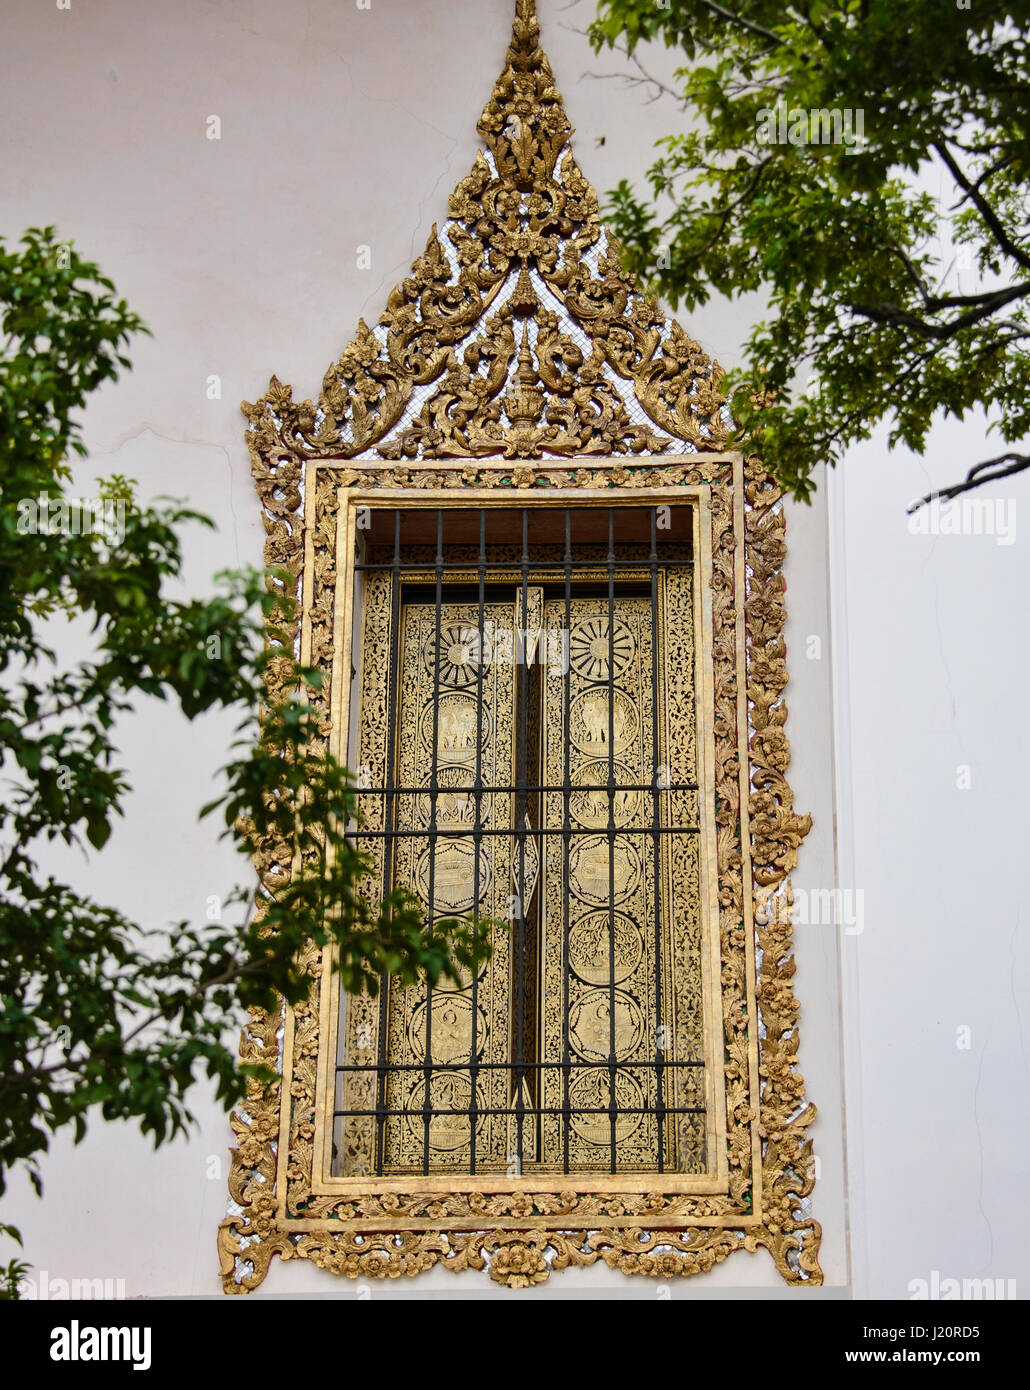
{"x":527,"y":749}
{"x":523,"y":439}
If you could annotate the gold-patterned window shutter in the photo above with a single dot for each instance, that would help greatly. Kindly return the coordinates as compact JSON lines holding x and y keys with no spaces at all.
{"x":523,"y":372}
{"x":444,"y":721}
{"x":580,"y":1046}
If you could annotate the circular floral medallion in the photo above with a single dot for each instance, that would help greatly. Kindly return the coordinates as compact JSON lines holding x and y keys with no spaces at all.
{"x":459,"y":647}
{"x":593,"y":944}
{"x":453,"y":868}
{"x":600,"y":872}
{"x":588,"y":1101}
{"x":453,"y":807}
{"x":450,"y":1099}
{"x":599,"y":650}
{"x":458,"y":720}
{"x":450,"y":1038}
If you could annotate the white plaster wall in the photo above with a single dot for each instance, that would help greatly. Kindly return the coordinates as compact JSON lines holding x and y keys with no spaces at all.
{"x":932,"y":670}
{"x":344,"y":127}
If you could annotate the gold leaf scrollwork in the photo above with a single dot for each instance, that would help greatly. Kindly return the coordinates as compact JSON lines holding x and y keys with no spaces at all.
{"x":519,"y":354}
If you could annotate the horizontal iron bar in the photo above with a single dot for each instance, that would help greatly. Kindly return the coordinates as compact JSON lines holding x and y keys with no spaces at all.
{"x":388,"y":790}
{"x":506,"y":1066}
{"x":381,"y":1112}
{"x":466,"y":832}
{"x":509,"y":566}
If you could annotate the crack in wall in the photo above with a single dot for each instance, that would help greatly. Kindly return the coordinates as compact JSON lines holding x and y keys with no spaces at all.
{"x":147,"y":428}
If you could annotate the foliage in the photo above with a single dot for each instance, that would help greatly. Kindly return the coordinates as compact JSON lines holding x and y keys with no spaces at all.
{"x":12,"y":1273}
{"x":897,"y":303}
{"x":99,"y":1012}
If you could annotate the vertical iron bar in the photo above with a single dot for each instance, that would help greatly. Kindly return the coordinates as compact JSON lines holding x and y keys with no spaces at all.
{"x":611,"y":831}
{"x":477,"y":830}
{"x":520,"y":823}
{"x":388,"y":826}
{"x":656,"y":820}
{"x":434,"y":789}
{"x":566,"y":837}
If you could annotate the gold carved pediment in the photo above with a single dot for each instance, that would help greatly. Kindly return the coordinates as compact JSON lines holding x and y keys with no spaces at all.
{"x":519,"y":317}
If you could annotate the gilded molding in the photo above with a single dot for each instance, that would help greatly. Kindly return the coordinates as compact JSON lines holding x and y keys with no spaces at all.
{"x":516,"y":401}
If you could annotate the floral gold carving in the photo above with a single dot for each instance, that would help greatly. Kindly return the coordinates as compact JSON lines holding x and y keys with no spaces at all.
{"x":519,"y":355}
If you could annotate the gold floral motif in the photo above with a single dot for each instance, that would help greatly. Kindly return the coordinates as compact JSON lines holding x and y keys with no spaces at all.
{"x":519,"y":1263}
{"x":533,"y":214}
{"x":516,"y":401}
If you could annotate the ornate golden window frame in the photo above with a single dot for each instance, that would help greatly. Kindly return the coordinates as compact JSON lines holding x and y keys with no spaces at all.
{"x":654,"y":1226}
{"x":314,"y":465}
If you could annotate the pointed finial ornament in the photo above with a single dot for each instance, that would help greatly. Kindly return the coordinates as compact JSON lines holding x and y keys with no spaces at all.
{"x":524,"y":123}
{"x":526,"y":401}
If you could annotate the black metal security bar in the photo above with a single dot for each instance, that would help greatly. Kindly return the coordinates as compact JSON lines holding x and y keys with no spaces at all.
{"x":450,"y":555}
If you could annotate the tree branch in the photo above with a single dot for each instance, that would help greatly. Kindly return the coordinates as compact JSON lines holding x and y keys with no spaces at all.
{"x":987,"y":304}
{"x":991,"y":170}
{"x":75,"y":1064}
{"x":724,"y":213}
{"x":743,"y":23}
{"x":976,"y":477}
{"x":988,"y":214}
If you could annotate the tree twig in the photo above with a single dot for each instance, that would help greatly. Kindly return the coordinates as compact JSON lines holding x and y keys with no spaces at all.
{"x":986,"y":305}
{"x":988,"y":214}
{"x":1018,"y":463}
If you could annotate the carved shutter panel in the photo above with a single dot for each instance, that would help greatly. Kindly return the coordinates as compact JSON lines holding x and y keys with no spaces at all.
{"x":439,"y":709}
{"x":620,"y":950}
